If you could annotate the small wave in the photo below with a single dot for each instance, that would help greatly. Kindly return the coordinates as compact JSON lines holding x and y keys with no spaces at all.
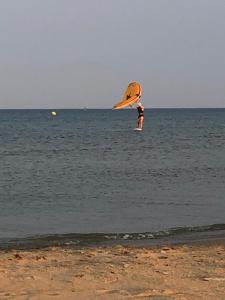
{"x":92,"y":239}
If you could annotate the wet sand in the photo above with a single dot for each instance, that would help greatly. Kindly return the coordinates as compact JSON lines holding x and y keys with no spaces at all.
{"x":194,"y":271}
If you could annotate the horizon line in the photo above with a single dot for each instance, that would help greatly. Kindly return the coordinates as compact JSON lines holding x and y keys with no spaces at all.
{"x":108,"y":108}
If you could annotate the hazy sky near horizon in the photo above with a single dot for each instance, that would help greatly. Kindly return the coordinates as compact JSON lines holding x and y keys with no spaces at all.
{"x":83,"y":53}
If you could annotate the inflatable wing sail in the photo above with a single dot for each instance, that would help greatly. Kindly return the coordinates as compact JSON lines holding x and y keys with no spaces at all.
{"x":132,"y":94}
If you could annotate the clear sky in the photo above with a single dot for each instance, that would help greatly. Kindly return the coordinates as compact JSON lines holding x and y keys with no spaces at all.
{"x":83,"y":53}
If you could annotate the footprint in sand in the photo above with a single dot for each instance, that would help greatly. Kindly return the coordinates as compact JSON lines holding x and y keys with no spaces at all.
{"x":155,"y":294}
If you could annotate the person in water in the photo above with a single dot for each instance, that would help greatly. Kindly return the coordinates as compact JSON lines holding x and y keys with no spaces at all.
{"x":140,"y":109}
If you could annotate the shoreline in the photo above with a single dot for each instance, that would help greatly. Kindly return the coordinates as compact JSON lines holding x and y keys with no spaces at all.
{"x":182,"y":271}
{"x":146,"y":239}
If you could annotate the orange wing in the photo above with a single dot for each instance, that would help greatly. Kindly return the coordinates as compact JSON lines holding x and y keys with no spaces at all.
{"x":131,"y":95}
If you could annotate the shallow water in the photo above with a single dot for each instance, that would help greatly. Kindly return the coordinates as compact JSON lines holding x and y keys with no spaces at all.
{"x":87,"y":171}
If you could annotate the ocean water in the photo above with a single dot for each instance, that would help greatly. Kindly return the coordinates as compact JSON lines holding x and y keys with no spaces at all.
{"x":86,"y":175}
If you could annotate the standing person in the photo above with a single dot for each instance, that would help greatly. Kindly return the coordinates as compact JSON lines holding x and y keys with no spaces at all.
{"x":140,"y":109}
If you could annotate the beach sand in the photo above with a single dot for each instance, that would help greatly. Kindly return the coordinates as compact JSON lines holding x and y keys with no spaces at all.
{"x":194,"y":271}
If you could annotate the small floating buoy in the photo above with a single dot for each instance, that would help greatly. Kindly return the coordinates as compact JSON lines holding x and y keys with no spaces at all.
{"x":53,"y":113}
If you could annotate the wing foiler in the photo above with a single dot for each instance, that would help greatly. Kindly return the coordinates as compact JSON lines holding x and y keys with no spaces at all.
{"x":132,"y":94}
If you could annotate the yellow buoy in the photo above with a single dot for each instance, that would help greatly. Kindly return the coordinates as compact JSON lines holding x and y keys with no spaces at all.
{"x":53,"y":113}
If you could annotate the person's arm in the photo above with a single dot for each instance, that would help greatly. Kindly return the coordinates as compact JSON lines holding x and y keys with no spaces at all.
{"x":132,"y":107}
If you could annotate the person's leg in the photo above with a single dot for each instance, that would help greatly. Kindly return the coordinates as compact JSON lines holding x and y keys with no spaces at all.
{"x":140,"y":122}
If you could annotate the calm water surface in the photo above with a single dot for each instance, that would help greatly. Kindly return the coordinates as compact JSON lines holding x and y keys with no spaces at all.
{"x":88,"y":172}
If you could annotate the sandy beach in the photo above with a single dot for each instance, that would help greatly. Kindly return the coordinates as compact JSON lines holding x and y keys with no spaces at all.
{"x":116,"y":272}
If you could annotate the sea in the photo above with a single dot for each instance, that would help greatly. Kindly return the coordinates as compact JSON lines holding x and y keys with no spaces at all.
{"x":85,"y":177}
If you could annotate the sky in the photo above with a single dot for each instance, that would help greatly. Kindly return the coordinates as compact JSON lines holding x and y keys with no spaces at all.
{"x":83,"y":53}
